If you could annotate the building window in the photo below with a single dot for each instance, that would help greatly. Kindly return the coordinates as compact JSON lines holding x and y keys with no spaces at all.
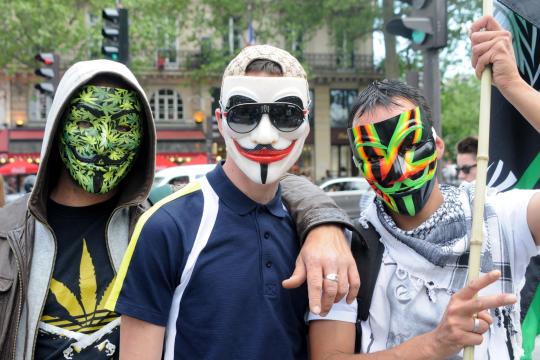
{"x":341,"y":101}
{"x":232,"y":40}
{"x":295,"y":43}
{"x":167,"y":52}
{"x":40,"y":105}
{"x":344,"y":51}
{"x":167,"y":105}
{"x":341,"y":161}
{"x":311,"y":115}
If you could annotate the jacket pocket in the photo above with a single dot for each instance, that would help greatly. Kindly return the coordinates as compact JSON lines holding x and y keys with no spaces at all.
{"x":5,"y":284}
{"x":8,"y":307}
{"x":8,"y":267}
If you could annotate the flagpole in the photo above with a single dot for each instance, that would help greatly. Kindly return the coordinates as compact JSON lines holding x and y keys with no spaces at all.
{"x":481,"y":175}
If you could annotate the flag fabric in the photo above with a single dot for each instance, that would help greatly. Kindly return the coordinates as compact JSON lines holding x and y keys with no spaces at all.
{"x":515,"y":145}
{"x":251,"y":39}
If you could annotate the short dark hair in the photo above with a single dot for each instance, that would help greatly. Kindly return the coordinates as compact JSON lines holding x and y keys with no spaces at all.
{"x":386,"y":93}
{"x":468,"y":145}
{"x":264,"y":65}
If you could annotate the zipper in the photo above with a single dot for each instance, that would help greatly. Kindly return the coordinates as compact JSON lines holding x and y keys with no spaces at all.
{"x":19,"y":303}
{"x":46,"y":292}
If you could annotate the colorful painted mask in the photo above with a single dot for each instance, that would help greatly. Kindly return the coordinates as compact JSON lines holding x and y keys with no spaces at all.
{"x":100,"y":136}
{"x":398,"y":157}
{"x":264,"y":123}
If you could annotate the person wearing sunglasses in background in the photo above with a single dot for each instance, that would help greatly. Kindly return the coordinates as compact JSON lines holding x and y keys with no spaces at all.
{"x":202,"y":276}
{"x":467,"y":148}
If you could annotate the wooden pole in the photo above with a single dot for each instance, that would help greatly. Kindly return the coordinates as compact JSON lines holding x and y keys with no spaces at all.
{"x":481,"y":174}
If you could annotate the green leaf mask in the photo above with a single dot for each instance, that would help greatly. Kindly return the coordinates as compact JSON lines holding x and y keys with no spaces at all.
{"x":100,"y":136}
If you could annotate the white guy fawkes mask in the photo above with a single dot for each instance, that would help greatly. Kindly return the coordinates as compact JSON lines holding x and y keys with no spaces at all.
{"x":264,"y":123}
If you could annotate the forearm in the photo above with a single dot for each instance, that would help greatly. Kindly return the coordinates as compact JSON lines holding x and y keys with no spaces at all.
{"x":140,"y":340}
{"x":525,"y":99}
{"x":310,"y":206}
{"x":418,"y":348}
{"x":334,"y":340}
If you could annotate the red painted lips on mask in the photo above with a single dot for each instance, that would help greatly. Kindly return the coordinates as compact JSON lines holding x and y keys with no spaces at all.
{"x":265,"y":154}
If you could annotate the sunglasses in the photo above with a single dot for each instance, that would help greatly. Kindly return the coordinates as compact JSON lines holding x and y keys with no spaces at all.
{"x":465,"y":168}
{"x":286,"y":117}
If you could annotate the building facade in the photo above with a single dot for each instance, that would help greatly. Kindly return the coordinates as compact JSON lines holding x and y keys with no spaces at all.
{"x":183,"y":106}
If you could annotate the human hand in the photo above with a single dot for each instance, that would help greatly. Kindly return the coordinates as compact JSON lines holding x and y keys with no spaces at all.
{"x":494,"y":46}
{"x":458,"y":327}
{"x":325,"y":251}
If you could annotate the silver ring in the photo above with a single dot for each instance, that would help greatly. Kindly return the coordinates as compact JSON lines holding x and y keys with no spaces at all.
{"x":476,"y":326}
{"x":332,"y":277}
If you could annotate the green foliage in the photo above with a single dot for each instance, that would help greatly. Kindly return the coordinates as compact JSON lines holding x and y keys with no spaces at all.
{"x":29,"y":27}
{"x":73,"y":29}
{"x":460,"y":103}
{"x":461,"y":13}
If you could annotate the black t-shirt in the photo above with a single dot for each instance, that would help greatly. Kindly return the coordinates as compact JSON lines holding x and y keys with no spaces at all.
{"x":74,"y":323}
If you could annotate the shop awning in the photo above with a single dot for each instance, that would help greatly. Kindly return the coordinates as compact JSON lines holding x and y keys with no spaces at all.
{"x":162,"y":162}
{"x":165,"y":160}
{"x":18,"y":167}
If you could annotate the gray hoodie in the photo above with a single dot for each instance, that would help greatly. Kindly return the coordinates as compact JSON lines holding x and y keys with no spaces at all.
{"x":41,"y":256}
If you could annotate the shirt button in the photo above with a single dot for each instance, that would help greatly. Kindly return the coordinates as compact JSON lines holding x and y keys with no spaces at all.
{"x":269,"y":264}
{"x":267,"y":235}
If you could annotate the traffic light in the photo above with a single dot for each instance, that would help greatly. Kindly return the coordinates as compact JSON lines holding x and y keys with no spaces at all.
{"x":51,"y":72}
{"x":426,"y":26}
{"x":115,"y":35}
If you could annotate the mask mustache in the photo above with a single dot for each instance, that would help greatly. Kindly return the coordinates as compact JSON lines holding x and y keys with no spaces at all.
{"x":259,"y":147}
{"x":102,"y":159}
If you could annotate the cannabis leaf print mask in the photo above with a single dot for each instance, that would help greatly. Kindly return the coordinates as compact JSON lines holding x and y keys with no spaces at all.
{"x":100,"y":136}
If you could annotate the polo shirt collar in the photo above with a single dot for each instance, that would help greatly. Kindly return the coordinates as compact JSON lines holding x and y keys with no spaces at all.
{"x":236,"y":200}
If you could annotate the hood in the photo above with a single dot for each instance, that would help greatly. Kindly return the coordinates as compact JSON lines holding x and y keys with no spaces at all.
{"x":135,"y":187}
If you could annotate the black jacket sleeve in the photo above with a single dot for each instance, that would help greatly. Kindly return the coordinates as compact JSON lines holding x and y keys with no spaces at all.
{"x":310,"y":206}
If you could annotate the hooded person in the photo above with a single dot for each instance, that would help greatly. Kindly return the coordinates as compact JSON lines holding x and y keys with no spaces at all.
{"x":68,"y":236}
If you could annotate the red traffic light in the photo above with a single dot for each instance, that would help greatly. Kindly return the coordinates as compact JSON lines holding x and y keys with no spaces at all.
{"x":46,"y":58}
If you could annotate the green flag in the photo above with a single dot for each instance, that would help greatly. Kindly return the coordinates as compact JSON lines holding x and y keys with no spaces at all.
{"x":516,"y":164}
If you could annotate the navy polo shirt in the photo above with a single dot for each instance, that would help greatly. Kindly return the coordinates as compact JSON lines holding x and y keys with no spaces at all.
{"x":207,"y":262}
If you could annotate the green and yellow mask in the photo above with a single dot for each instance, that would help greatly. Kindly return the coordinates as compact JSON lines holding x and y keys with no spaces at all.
{"x":398,"y":158}
{"x":100,"y":136}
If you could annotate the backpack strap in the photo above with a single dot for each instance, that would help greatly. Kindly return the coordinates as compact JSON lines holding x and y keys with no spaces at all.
{"x":367,"y":251}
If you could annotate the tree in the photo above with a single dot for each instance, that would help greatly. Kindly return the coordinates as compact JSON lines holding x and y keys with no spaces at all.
{"x":460,"y":103}
{"x":294,"y":21}
{"x":73,"y":28}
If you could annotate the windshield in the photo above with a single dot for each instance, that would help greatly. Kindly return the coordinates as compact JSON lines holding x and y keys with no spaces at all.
{"x":157,"y":180}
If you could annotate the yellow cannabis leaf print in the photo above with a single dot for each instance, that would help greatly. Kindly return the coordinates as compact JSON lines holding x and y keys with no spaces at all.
{"x":87,"y":317}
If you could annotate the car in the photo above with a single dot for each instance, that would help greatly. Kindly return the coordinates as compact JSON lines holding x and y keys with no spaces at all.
{"x":181,"y":175}
{"x":349,"y":193}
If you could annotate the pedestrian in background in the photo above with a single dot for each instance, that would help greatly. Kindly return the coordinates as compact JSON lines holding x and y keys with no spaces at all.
{"x":467,"y":148}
